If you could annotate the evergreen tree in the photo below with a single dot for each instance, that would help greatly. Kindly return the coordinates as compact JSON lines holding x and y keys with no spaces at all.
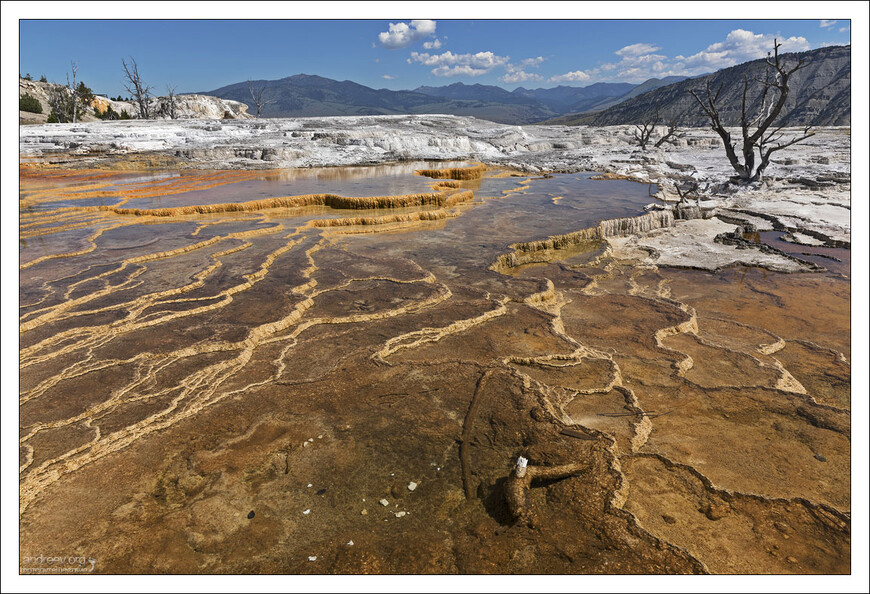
{"x":29,"y":103}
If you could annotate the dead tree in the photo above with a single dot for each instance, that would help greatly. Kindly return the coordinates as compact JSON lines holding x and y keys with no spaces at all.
{"x":72,"y":87}
{"x":140,"y":92}
{"x":257,"y":96}
{"x":671,"y":135}
{"x":65,"y":101}
{"x":172,"y":104}
{"x":519,"y":483}
{"x":765,"y":137}
{"x":645,"y":129}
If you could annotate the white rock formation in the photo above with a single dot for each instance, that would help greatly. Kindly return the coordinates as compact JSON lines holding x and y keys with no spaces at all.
{"x":188,"y":107}
{"x":806,"y":189}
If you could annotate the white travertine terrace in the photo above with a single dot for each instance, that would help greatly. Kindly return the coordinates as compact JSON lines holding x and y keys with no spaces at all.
{"x":806,"y":189}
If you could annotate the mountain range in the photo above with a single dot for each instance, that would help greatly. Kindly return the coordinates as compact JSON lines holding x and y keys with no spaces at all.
{"x":304,"y":95}
{"x":820,"y":95}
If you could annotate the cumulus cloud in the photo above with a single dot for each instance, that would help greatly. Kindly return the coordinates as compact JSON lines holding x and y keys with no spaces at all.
{"x":517,"y":72}
{"x":517,"y":76}
{"x":576,"y":76}
{"x":434,"y":44}
{"x":404,"y":34}
{"x":641,"y":61}
{"x":637,"y":49}
{"x":739,"y":46}
{"x":531,"y":62}
{"x":458,"y":70}
{"x":638,"y":62}
{"x":844,"y":29}
{"x":450,"y":64}
{"x":824,"y":24}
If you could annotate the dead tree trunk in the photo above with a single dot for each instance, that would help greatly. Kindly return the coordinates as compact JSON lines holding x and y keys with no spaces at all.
{"x":72,"y":87}
{"x":257,"y":96}
{"x":671,"y":135}
{"x":519,"y":483}
{"x":172,"y":107}
{"x":645,"y":129}
{"x":140,"y":92}
{"x":763,"y":138}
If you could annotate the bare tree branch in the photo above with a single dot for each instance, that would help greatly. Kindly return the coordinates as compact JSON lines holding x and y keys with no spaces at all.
{"x":762,"y":138}
{"x":140,"y":92}
{"x":645,"y":129}
{"x":172,"y":105}
{"x":671,"y":135}
{"x":72,"y":87}
{"x":257,"y":96}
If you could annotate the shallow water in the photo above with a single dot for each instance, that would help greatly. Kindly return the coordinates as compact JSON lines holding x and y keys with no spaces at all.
{"x":183,"y":370}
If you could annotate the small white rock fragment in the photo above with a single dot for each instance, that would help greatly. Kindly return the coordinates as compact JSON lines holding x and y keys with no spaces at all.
{"x":412,"y":485}
{"x":310,"y":485}
{"x":521,"y":466}
{"x":320,"y":437}
{"x":304,"y":444}
{"x":350,"y":543}
{"x":311,"y":439}
{"x":364,"y":512}
{"x":384,"y":502}
{"x":306,"y":512}
{"x":401,"y":514}
{"x":312,"y":558}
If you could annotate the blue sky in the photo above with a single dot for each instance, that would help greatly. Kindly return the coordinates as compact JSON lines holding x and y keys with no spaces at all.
{"x":201,"y":55}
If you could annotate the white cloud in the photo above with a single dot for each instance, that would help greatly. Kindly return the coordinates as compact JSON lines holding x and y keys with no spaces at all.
{"x":434,"y":44}
{"x":640,"y":61}
{"x":576,"y":76}
{"x":517,"y":72}
{"x":516,"y":76}
{"x":844,"y":29}
{"x":824,"y":24}
{"x":739,"y":46}
{"x":404,"y":34}
{"x":445,"y":71}
{"x":531,"y":62}
{"x":389,"y":76}
{"x":450,"y":64}
{"x":637,"y":49}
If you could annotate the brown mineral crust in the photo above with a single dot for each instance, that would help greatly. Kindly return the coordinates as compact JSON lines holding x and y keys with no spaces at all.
{"x":676,"y":421}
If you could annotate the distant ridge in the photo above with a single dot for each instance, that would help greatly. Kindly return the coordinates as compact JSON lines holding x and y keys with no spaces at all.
{"x":820,"y":96}
{"x":304,"y":95}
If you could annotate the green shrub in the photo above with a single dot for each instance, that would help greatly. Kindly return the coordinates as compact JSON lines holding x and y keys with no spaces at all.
{"x":52,"y":118}
{"x":27,"y":102}
{"x":125,"y":115}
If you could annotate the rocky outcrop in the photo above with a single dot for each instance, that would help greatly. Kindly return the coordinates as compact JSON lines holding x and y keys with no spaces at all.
{"x":199,"y":107}
{"x":187,"y":107}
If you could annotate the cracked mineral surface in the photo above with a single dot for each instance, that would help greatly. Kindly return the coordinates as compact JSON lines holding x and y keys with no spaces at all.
{"x":235,"y":369}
